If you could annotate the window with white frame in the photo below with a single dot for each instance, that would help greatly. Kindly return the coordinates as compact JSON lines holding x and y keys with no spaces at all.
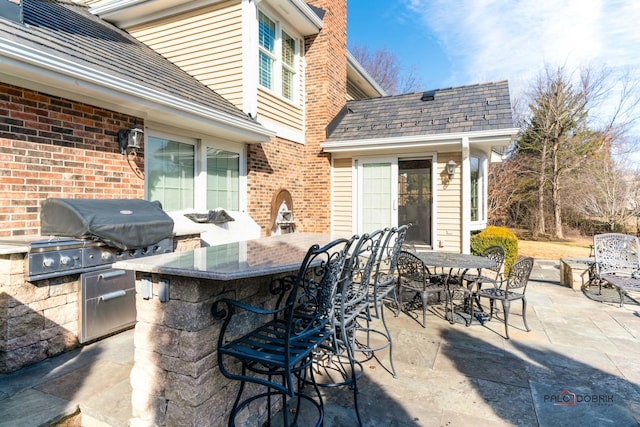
{"x":173,"y":168}
{"x":277,"y":59}
{"x":476,"y":191}
{"x":478,"y":165}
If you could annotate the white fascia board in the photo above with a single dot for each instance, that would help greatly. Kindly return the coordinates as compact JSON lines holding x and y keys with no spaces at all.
{"x":128,"y":13}
{"x":79,"y":82}
{"x":453,"y":140}
{"x":298,"y":14}
{"x":114,"y":6}
{"x":355,"y":67}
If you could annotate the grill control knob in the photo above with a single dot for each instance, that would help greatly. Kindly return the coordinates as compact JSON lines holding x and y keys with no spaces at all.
{"x":106,"y":256}
{"x":48,"y":262}
{"x":65,"y":260}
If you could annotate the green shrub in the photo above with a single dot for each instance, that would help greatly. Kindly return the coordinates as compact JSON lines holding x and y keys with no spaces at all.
{"x":500,"y":236}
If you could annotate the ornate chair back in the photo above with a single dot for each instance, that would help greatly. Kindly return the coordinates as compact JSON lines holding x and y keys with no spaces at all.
{"x":353,"y":291}
{"x":519,"y":275}
{"x":616,"y":253}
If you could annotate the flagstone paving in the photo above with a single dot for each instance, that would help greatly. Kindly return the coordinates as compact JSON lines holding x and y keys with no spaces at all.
{"x":578,"y":366}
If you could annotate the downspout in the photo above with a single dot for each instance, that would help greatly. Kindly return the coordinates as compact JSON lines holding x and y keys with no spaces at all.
{"x":466,"y":197}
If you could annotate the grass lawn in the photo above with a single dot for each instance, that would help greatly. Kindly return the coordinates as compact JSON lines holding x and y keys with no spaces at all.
{"x":571,"y":247}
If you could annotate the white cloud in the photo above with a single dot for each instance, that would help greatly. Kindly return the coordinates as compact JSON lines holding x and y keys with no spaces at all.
{"x":489,"y":40}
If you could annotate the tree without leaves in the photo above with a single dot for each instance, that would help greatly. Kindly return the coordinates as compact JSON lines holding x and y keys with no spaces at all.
{"x":383,"y":66}
{"x":614,"y":193}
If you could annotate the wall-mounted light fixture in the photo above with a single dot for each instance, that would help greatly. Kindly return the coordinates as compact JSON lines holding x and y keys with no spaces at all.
{"x":451,"y":168}
{"x":130,"y":139}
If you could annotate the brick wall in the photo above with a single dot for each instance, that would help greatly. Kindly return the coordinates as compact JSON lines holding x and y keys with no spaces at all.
{"x":271,"y":167}
{"x":303,"y":169}
{"x":53,"y":147}
{"x":326,"y":58}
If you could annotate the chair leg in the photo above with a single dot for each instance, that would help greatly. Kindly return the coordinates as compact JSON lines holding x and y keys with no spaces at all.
{"x":491,"y":302}
{"x":621,"y":292}
{"x":470,"y":310}
{"x":506,"y":306}
{"x":450,"y":297}
{"x":425,"y":297}
{"x":524,"y":313}
{"x":349,"y":343}
{"x":388,"y":335}
{"x":399,"y":302}
{"x":234,"y":409}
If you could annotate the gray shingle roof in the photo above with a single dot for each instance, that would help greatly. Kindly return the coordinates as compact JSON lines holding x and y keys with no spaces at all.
{"x":68,"y":31}
{"x":453,"y":110}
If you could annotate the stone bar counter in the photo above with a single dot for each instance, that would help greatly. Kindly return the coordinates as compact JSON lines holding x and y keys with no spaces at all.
{"x":175,"y":378}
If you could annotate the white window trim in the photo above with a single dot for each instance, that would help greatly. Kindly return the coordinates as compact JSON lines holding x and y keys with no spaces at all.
{"x":483,"y":203}
{"x":201,"y":143}
{"x":278,"y":62}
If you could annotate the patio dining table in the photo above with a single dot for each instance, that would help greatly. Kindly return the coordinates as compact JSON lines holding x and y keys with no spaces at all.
{"x":454,"y":261}
{"x":458,"y":265}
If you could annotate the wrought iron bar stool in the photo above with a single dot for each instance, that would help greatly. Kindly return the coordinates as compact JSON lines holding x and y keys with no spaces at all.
{"x":381,"y":289}
{"x":281,"y":347}
{"x":351,"y":303}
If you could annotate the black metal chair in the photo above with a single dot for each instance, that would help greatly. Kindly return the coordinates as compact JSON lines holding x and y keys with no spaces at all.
{"x":351,"y":304}
{"x":414,"y":277}
{"x":382,"y":289}
{"x":512,"y":289}
{"x":281,"y":347}
{"x":486,"y":275}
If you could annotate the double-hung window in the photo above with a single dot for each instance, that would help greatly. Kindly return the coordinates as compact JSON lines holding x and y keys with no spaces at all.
{"x":191,"y":174}
{"x":278,"y":51}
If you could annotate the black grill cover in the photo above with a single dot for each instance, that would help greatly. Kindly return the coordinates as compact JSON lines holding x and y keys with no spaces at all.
{"x":122,"y":223}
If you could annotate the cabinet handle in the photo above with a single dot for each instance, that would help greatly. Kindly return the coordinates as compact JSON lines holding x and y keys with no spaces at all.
{"x":112,"y":295}
{"x":112,"y":274}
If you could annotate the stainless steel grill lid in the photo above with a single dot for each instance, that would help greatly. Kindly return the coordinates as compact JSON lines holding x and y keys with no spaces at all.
{"x":122,"y":223}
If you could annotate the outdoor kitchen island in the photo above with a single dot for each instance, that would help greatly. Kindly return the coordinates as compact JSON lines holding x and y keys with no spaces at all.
{"x":175,"y":378}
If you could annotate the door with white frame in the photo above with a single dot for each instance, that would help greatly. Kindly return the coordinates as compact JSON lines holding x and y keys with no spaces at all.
{"x":395,"y":191}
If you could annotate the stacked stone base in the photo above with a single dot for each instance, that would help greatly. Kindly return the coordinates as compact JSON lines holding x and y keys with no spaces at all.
{"x":175,"y":378}
{"x":37,"y":319}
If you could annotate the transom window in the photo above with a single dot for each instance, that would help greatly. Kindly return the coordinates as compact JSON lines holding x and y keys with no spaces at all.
{"x":192,"y":175}
{"x":277,"y":58}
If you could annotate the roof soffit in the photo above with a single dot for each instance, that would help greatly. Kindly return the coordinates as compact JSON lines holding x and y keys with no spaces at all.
{"x":485,"y":141}
{"x":128,"y":13}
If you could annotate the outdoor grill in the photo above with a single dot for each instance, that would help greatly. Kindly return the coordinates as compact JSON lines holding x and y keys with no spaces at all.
{"x":85,"y":237}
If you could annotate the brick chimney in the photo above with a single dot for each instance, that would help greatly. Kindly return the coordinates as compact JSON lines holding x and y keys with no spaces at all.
{"x":326,"y":84}
{"x":11,"y":10}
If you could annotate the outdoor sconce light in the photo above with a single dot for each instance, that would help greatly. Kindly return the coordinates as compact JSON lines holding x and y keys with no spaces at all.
{"x":130,"y":139}
{"x":451,"y":168}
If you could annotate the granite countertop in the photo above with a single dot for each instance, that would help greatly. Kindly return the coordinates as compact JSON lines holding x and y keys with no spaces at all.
{"x":229,"y":261}
{"x":14,"y":249}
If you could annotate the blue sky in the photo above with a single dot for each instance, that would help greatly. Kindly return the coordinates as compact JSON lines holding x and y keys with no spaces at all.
{"x":458,"y":42}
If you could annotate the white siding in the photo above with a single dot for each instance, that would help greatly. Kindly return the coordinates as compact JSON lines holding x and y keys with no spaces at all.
{"x":206,"y":43}
{"x":342,"y":199}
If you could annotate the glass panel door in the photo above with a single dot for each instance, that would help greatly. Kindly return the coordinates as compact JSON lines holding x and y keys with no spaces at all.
{"x":376,"y":196}
{"x":415,"y":199}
